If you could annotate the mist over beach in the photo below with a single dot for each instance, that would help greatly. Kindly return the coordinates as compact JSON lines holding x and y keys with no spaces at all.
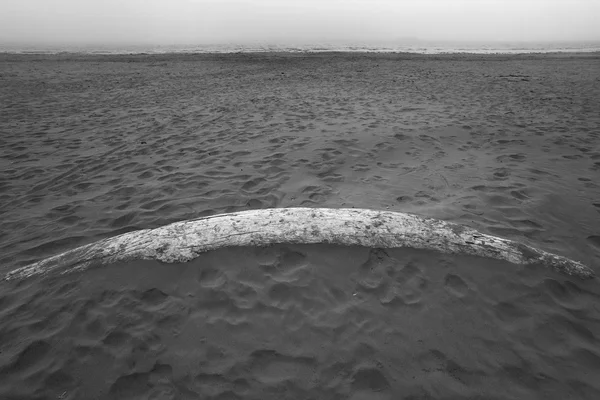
{"x":122,"y":116}
{"x":209,"y":22}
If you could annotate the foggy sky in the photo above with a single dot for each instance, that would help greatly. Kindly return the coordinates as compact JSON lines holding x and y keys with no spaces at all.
{"x":291,"y":21}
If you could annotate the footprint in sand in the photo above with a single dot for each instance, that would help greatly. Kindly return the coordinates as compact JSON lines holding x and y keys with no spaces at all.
{"x":509,"y":313}
{"x":501,"y":174}
{"x":511,"y":157}
{"x":567,"y":294}
{"x":153,"y":297}
{"x":143,"y":384}
{"x":428,"y":196}
{"x":594,"y":240}
{"x":32,"y":356}
{"x":409,"y":288}
{"x":210,"y":277}
{"x":249,"y":185}
{"x":456,"y":286}
{"x":372,"y":274}
{"x":370,"y":383}
{"x":404,"y":199}
{"x":292,"y":260}
{"x":271,"y":368}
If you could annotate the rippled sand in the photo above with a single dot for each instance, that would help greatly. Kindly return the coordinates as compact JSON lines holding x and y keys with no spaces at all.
{"x":305,"y":321}
{"x":93,"y":146}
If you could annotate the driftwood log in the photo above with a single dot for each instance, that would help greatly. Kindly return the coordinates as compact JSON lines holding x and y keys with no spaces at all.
{"x":183,"y":241}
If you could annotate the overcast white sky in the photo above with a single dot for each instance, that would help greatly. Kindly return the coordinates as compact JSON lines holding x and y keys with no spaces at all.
{"x":240,"y":21}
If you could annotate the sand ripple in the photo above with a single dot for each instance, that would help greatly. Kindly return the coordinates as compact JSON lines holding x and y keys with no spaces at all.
{"x":304,"y":321}
{"x":96,"y":146}
{"x":92,"y":147}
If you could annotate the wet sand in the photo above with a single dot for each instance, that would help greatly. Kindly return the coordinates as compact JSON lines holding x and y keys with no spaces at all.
{"x":93,"y":146}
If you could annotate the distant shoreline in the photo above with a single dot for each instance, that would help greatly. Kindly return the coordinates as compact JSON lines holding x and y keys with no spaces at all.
{"x":65,"y":56}
{"x":421,"y":47}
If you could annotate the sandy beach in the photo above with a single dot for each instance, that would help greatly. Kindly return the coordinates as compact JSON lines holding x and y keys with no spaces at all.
{"x":94,"y":146}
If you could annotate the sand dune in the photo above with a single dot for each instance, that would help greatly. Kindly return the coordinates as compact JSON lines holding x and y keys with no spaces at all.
{"x":94,"y":146}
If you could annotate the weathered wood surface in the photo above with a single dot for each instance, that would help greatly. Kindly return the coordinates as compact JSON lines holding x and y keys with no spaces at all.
{"x":183,"y":241}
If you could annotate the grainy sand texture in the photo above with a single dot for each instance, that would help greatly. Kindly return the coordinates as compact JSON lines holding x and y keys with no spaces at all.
{"x":94,"y":146}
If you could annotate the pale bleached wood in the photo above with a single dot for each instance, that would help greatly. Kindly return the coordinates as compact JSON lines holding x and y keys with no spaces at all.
{"x":183,"y":241}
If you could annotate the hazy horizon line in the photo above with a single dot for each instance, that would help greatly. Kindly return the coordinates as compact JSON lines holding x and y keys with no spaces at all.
{"x":286,"y":42}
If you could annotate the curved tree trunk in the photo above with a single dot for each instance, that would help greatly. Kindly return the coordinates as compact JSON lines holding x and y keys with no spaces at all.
{"x":183,"y":241}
